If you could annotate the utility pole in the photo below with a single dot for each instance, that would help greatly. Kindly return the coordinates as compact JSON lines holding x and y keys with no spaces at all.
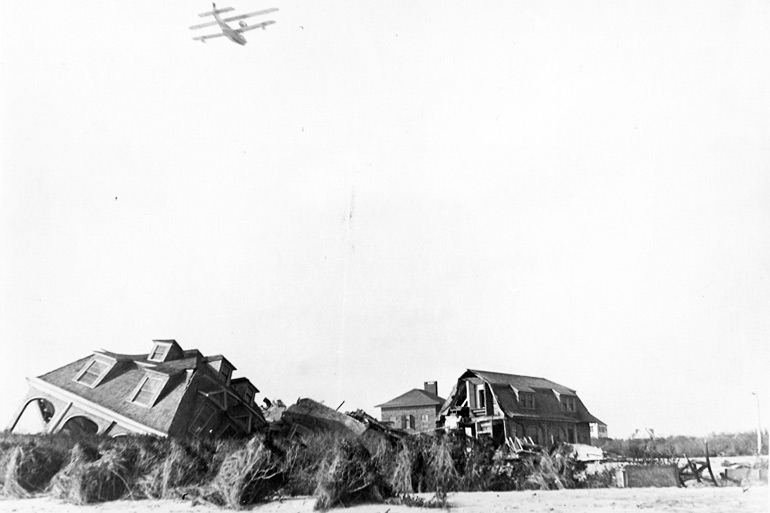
{"x":759,"y":427}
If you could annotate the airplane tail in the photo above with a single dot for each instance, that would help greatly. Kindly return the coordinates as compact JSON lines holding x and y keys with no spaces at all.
{"x":215,"y":11}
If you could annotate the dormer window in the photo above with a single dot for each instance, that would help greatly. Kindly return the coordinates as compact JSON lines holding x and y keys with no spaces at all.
{"x":567,"y":403}
{"x":148,"y":390}
{"x":226,"y":371}
{"x":94,"y":371}
{"x":527,"y":400}
{"x":223,"y":367}
{"x":244,"y":388}
{"x":159,"y":351}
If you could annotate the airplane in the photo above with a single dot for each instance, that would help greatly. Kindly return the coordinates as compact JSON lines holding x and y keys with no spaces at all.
{"x":233,"y":34}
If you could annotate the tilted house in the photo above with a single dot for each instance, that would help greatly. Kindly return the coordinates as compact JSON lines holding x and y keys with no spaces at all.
{"x":507,"y":405}
{"x":168,"y":392}
{"x":415,"y":411}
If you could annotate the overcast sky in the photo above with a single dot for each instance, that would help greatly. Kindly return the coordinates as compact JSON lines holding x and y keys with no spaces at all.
{"x":372,"y":194}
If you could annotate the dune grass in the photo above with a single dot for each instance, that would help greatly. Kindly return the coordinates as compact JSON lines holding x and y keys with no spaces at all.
{"x":338,"y":470}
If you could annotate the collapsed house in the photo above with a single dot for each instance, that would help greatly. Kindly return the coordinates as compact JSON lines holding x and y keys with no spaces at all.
{"x":166,"y":392}
{"x":510,"y":407}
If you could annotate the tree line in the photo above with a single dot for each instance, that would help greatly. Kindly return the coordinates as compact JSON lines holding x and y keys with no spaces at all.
{"x":719,"y":444}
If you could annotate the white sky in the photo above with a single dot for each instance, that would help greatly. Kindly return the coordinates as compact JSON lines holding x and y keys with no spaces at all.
{"x":369,"y":195}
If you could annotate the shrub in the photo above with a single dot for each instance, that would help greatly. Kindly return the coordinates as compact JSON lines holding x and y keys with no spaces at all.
{"x":90,"y":476}
{"x":179,"y":468}
{"x":28,"y":468}
{"x":302,"y":460}
{"x":348,"y":476}
{"x":248,"y":475}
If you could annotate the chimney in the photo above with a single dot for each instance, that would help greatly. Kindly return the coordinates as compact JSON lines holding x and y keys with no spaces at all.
{"x":431,"y":386}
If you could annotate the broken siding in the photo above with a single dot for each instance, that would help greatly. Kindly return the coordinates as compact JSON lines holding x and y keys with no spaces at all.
{"x":205,"y":388}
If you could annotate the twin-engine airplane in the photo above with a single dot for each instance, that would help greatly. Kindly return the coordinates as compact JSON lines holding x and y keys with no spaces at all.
{"x":233,"y":34}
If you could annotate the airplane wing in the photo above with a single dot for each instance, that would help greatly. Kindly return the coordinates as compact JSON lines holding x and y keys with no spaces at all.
{"x":262,"y":25}
{"x":233,"y":18}
{"x":204,"y":38}
{"x":207,"y":24}
{"x":250,"y":14}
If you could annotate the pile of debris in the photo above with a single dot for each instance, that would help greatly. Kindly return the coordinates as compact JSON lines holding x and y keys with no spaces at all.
{"x":306,"y":417}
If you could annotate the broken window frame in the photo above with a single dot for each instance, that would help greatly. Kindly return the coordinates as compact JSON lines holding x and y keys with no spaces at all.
{"x":481,"y":397}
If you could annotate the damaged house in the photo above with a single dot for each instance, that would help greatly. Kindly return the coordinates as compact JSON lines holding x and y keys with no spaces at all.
{"x":166,"y":392}
{"x":507,"y":405}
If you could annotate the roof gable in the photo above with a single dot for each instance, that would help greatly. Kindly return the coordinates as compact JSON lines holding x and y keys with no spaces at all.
{"x":415,"y":397}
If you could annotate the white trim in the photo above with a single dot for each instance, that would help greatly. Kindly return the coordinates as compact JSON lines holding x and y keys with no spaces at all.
{"x":161,"y":378}
{"x":93,"y":408}
{"x":166,"y":345}
{"x":54,"y":425}
{"x":101,"y":358}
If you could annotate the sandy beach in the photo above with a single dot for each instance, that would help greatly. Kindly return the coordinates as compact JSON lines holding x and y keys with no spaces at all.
{"x":618,"y":500}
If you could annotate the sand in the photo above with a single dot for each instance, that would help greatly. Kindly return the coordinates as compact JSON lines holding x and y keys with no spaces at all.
{"x":616,"y":500}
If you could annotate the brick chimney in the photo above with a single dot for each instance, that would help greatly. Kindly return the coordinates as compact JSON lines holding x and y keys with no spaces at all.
{"x":431,"y":386}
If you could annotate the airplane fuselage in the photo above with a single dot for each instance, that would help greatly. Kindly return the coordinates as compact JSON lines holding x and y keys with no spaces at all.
{"x":232,"y":35}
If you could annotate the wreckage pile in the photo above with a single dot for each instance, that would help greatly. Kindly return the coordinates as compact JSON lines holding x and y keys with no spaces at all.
{"x":341,"y":459}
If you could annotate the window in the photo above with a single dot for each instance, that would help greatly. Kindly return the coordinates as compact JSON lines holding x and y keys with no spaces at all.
{"x":201,"y":421}
{"x":93,"y":372}
{"x":148,"y":390}
{"x":482,"y":398}
{"x":225,"y":371}
{"x":159,"y":352}
{"x":527,"y":400}
{"x":424,"y":425}
{"x":568,"y":403}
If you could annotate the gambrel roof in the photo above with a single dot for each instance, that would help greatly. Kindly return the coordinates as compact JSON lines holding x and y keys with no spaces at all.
{"x":506,"y":389}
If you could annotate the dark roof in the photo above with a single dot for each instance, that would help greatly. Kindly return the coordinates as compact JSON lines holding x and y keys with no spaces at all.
{"x":217,"y":357}
{"x":113,"y":391}
{"x":415,"y":397}
{"x":521,"y":383}
{"x":547,"y":404}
